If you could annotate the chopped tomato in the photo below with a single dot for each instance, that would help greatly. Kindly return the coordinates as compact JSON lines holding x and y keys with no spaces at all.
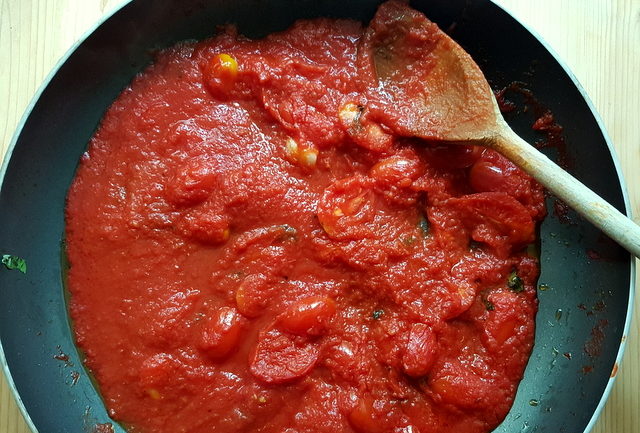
{"x":221,"y":333}
{"x":420,"y":352}
{"x":280,"y":358}
{"x":309,"y":316}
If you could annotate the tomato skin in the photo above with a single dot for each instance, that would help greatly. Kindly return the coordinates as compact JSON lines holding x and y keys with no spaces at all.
{"x":396,"y":170}
{"x":221,"y":73}
{"x":420,"y":352}
{"x":462,"y":389}
{"x":485,"y":177}
{"x":495,"y":218}
{"x":363,"y":131}
{"x":280,"y":358}
{"x":309,"y":316}
{"x":452,"y":156}
{"x":221,"y":333}
{"x":345,"y":208}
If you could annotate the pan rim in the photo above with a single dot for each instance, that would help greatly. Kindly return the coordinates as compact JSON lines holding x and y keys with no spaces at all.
{"x":615,"y":159}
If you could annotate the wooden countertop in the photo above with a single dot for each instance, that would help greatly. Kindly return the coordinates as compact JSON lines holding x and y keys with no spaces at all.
{"x":598,"y":39}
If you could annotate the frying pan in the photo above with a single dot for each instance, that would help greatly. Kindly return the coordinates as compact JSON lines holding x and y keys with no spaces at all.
{"x":588,"y":280}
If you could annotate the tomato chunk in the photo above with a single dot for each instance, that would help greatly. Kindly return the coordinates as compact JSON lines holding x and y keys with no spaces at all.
{"x":279,"y":357}
{"x":420,"y":352}
{"x":345,"y":207}
{"x":496,"y":218}
{"x":455,"y":155}
{"x":485,"y":176}
{"x":364,"y":132}
{"x":396,"y":170}
{"x":221,"y":73}
{"x":309,"y":316}
{"x":221,"y":333}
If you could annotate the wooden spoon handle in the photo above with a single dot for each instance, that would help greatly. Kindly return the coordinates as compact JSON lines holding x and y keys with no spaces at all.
{"x":584,"y":201}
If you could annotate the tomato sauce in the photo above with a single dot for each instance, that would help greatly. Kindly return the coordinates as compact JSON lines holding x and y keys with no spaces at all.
{"x":252,"y":252}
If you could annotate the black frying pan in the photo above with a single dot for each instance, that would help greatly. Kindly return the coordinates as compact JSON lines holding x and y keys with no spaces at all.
{"x":584,"y":311}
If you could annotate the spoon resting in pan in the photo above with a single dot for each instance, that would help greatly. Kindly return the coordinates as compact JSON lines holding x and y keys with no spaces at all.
{"x":443,"y":96}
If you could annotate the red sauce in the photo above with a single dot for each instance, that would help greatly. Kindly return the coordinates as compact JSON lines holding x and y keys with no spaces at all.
{"x":246,"y":256}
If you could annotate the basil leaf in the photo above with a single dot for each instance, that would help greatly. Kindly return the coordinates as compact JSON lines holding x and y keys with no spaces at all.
{"x":515,"y":283}
{"x":14,"y":262}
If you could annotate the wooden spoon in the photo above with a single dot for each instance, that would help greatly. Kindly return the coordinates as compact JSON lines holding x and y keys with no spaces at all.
{"x":443,"y":95}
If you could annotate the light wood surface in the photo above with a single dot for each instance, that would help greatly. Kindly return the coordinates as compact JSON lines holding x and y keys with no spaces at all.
{"x":598,"y":39}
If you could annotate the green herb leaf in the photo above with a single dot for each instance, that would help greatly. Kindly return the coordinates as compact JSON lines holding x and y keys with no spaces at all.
{"x":423,"y":225}
{"x":377,"y":314}
{"x":14,"y":262}
{"x":488,"y":304}
{"x":515,"y":283}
